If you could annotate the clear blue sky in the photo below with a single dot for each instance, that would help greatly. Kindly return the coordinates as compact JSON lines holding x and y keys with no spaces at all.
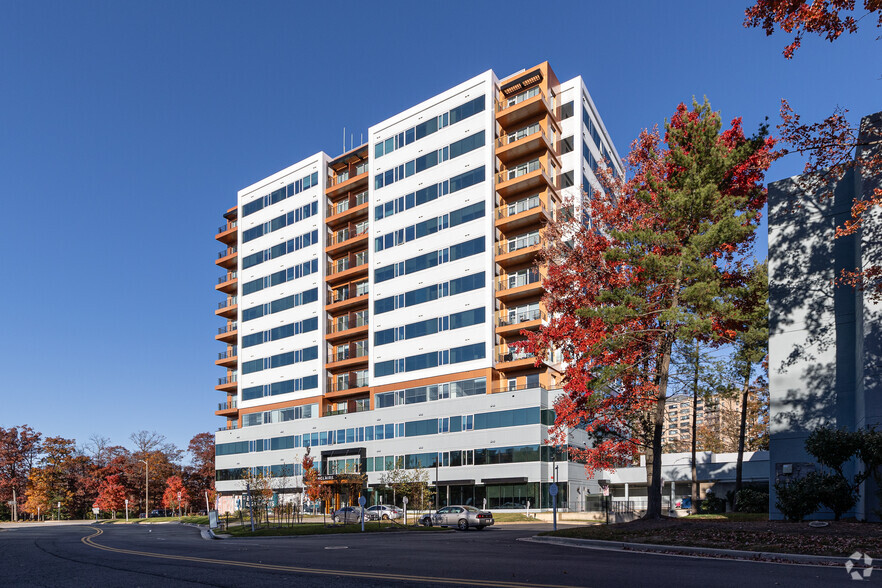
{"x":127,"y":129}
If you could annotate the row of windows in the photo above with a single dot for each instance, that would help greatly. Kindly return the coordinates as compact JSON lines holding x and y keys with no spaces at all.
{"x":282,"y":193}
{"x":432,"y":359}
{"x":276,"y":388}
{"x":281,"y":332}
{"x":429,"y":160}
{"x":275,"y":471}
{"x":430,"y":226}
{"x":454,"y":424}
{"x":428,"y":260}
{"x":280,"y":415}
{"x":280,"y":222}
{"x":457,"y":320}
{"x":424,"y":129}
{"x":429,"y":293}
{"x":286,"y":275}
{"x":429,"y":193}
{"x":282,"y":359}
{"x":304,"y":240}
{"x":281,"y":304}
{"x":605,"y":153}
{"x":431,"y":393}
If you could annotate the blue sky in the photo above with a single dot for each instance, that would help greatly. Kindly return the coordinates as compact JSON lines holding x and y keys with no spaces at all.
{"x":127,"y":129}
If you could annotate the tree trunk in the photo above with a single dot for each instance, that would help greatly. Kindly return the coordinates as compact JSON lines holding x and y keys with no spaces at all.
{"x":741,"y":433}
{"x":654,"y":461}
{"x":695,"y":430}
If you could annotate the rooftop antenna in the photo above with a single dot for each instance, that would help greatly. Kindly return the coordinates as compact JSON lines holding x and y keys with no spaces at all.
{"x":344,"y":139}
{"x":351,"y":139}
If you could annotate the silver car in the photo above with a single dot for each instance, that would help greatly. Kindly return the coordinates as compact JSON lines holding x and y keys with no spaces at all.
{"x":348,"y":514}
{"x":461,"y":517}
{"x":385,"y":512}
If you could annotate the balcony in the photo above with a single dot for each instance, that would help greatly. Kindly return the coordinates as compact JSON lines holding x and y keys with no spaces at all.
{"x":536,"y":174}
{"x":525,"y":212}
{"x":531,"y":103}
{"x":349,"y":209}
{"x":227,"y":233}
{"x":228,"y":283}
{"x":520,"y":284}
{"x":337,"y":184}
{"x":227,"y":258}
{"x":534,"y":138}
{"x":227,"y":409}
{"x":228,"y":333}
{"x":228,"y":308}
{"x":228,"y":358}
{"x":510,"y":358}
{"x":513,"y":321}
{"x":347,"y":268}
{"x":351,"y":237}
{"x":227,"y":383}
{"x":231,"y":426}
{"x":519,"y":250}
{"x":347,"y":297}
{"x":347,"y":385}
{"x":344,"y":327}
{"x":348,"y":355}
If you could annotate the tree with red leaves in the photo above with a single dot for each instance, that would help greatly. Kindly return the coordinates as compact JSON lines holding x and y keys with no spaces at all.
{"x":175,"y":495}
{"x":19,"y":448}
{"x":111,"y":494}
{"x":662,"y":260}
{"x":832,"y":146}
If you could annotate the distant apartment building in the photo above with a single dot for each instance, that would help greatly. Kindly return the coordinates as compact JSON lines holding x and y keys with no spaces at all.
{"x":713,"y":418}
{"x":372,"y":299}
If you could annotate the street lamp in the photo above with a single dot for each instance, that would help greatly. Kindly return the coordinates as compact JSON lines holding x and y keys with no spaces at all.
{"x":604,"y":489}
{"x":146,"y":488}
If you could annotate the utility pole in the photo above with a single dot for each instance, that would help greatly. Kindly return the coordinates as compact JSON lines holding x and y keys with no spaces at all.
{"x":146,"y":488}
{"x":14,"y":505}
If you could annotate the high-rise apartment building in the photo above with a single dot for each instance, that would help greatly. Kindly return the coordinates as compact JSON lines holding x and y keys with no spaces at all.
{"x":373,"y":297}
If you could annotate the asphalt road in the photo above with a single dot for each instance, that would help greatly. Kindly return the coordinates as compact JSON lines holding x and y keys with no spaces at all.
{"x":176,"y":555}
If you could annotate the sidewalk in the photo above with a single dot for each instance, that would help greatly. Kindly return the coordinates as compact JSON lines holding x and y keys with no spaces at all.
{"x":683,"y":551}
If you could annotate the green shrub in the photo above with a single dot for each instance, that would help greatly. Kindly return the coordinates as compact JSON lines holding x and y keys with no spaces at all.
{"x":797,"y":499}
{"x":835,"y":493}
{"x":712,"y":505}
{"x":750,"y":500}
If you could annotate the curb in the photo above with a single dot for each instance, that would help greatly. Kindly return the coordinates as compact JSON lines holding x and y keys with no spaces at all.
{"x":682,"y":550}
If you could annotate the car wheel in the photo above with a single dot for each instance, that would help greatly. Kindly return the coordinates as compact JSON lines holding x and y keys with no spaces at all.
{"x":385,"y":517}
{"x":463,"y":525}
{"x":427,"y":523}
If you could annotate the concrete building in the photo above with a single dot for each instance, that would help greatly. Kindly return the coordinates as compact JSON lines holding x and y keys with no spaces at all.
{"x":372,"y":298}
{"x":710,"y":415}
{"x":825,"y":339}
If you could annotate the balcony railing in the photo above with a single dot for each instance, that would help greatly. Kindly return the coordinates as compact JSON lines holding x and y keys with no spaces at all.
{"x":518,"y":279}
{"x":504,"y":353}
{"x":230,"y":301}
{"x":514,"y":316}
{"x":233,"y":425}
{"x":342,"y":294}
{"x":347,"y":352}
{"x":228,"y":380}
{"x":344,"y":323}
{"x":506,"y":387}
{"x":347,"y":384}
{"x":347,"y":233}
{"x":228,"y":328}
{"x":339,"y":207}
{"x":228,"y":405}
{"x":233,"y":352}
{"x":361,"y":198}
{"x":228,"y":226}
{"x":522,"y":205}
{"x":227,"y":251}
{"x":520,"y":170}
{"x":517,"y":99}
{"x":227,"y":277}
{"x":329,"y":412}
{"x":520,"y":242}
{"x":520,"y":134}
{"x":341,"y":265}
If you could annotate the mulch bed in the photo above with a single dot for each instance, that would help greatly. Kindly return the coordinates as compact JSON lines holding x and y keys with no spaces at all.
{"x":840,"y":538}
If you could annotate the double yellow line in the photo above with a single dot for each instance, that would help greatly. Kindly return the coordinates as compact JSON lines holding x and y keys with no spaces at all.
{"x":89,"y":540}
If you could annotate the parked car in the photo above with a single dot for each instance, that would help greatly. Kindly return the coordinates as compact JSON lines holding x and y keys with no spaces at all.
{"x":348,"y":514}
{"x":385,"y":512}
{"x":461,"y":517}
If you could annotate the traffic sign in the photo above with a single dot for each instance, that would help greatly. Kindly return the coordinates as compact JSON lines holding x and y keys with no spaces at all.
{"x":552,"y":490}
{"x":404,"y":500}
{"x":362,"y":501}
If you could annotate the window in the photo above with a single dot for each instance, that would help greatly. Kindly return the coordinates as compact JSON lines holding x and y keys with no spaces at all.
{"x":566,"y":145}
{"x":567,"y":110}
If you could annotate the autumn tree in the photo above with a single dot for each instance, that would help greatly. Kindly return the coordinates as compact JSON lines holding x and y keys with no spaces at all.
{"x":54,"y":481}
{"x":161,"y":455}
{"x":111,"y":494}
{"x":175,"y":496}
{"x":833,"y":146}
{"x":199,"y":476}
{"x":659,"y":264}
{"x":19,"y":448}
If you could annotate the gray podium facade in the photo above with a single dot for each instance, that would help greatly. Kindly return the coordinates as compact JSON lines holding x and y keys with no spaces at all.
{"x":825,"y":344}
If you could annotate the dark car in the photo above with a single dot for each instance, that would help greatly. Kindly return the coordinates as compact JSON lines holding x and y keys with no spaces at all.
{"x":459,"y":516}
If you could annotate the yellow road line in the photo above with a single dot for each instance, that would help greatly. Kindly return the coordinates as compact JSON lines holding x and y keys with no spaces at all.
{"x":88,"y":540}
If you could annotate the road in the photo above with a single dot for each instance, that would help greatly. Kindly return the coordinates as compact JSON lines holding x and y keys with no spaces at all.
{"x":176,"y":555}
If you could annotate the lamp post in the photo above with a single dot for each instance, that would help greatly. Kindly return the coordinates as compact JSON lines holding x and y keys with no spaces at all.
{"x":146,"y":488}
{"x":604,"y":489}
